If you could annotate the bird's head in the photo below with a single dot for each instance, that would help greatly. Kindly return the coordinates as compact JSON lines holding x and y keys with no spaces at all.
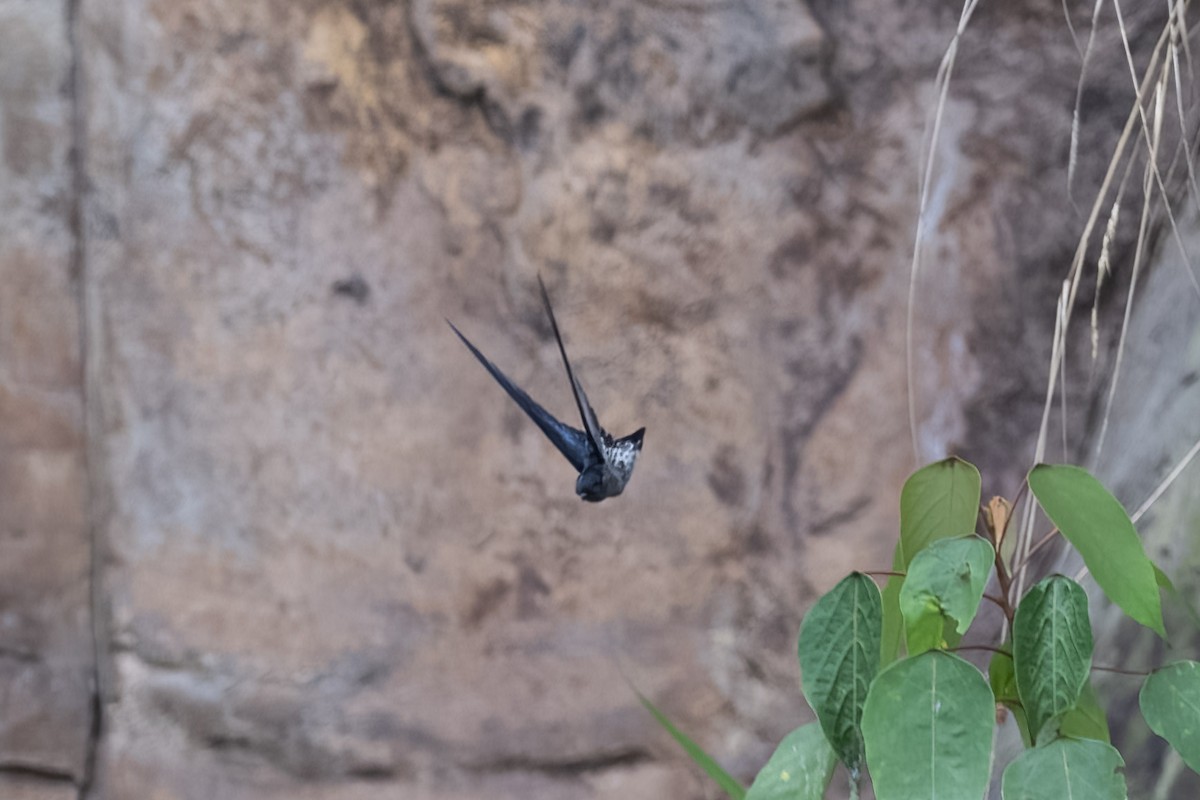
{"x":590,"y":485}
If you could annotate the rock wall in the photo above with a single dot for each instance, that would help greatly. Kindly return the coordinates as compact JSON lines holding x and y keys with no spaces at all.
{"x":1153,"y":425}
{"x":330,"y":558}
{"x":46,"y":663}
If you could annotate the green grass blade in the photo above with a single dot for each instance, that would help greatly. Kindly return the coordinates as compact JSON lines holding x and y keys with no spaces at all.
{"x":706,"y":762}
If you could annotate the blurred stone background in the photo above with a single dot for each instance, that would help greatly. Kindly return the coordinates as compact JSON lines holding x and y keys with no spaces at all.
{"x":264,"y":538}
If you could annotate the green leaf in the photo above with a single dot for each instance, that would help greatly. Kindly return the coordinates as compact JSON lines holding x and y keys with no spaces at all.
{"x":839,"y":656}
{"x":1052,"y":649}
{"x":928,"y":726}
{"x":1170,"y":701}
{"x":1002,"y":677}
{"x":800,"y":768}
{"x":945,"y":582}
{"x":1087,"y":719}
{"x":706,"y":762}
{"x":892,"y":640}
{"x":1164,"y":582}
{"x":1066,"y":768}
{"x":1098,"y":527}
{"x":938,"y":501}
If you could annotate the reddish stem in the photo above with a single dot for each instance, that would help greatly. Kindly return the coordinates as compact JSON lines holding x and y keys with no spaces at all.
{"x":1120,"y":671}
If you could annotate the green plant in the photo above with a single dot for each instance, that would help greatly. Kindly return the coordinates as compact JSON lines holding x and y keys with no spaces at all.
{"x":893,"y":697}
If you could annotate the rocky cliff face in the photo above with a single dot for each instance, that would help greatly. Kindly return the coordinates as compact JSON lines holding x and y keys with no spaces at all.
{"x":331,"y":559}
{"x":46,"y":664}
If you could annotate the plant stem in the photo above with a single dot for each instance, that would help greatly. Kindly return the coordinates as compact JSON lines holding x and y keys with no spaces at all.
{"x":1037,"y":546}
{"x":987,"y":647}
{"x":1120,"y":671}
{"x":997,"y":600}
{"x":1002,"y":577}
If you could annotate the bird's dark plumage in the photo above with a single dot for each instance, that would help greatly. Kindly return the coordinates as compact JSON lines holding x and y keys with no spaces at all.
{"x":604,"y":464}
{"x":571,"y":443}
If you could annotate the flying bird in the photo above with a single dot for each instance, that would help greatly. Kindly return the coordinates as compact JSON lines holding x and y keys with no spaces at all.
{"x":604,"y":464}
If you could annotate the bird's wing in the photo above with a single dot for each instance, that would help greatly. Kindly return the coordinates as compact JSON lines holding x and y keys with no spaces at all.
{"x":590,"y":423}
{"x":572,"y":443}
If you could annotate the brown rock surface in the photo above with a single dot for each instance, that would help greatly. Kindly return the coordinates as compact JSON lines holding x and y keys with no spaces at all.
{"x":45,"y":640}
{"x":337,"y":561}
{"x":35,"y":788}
